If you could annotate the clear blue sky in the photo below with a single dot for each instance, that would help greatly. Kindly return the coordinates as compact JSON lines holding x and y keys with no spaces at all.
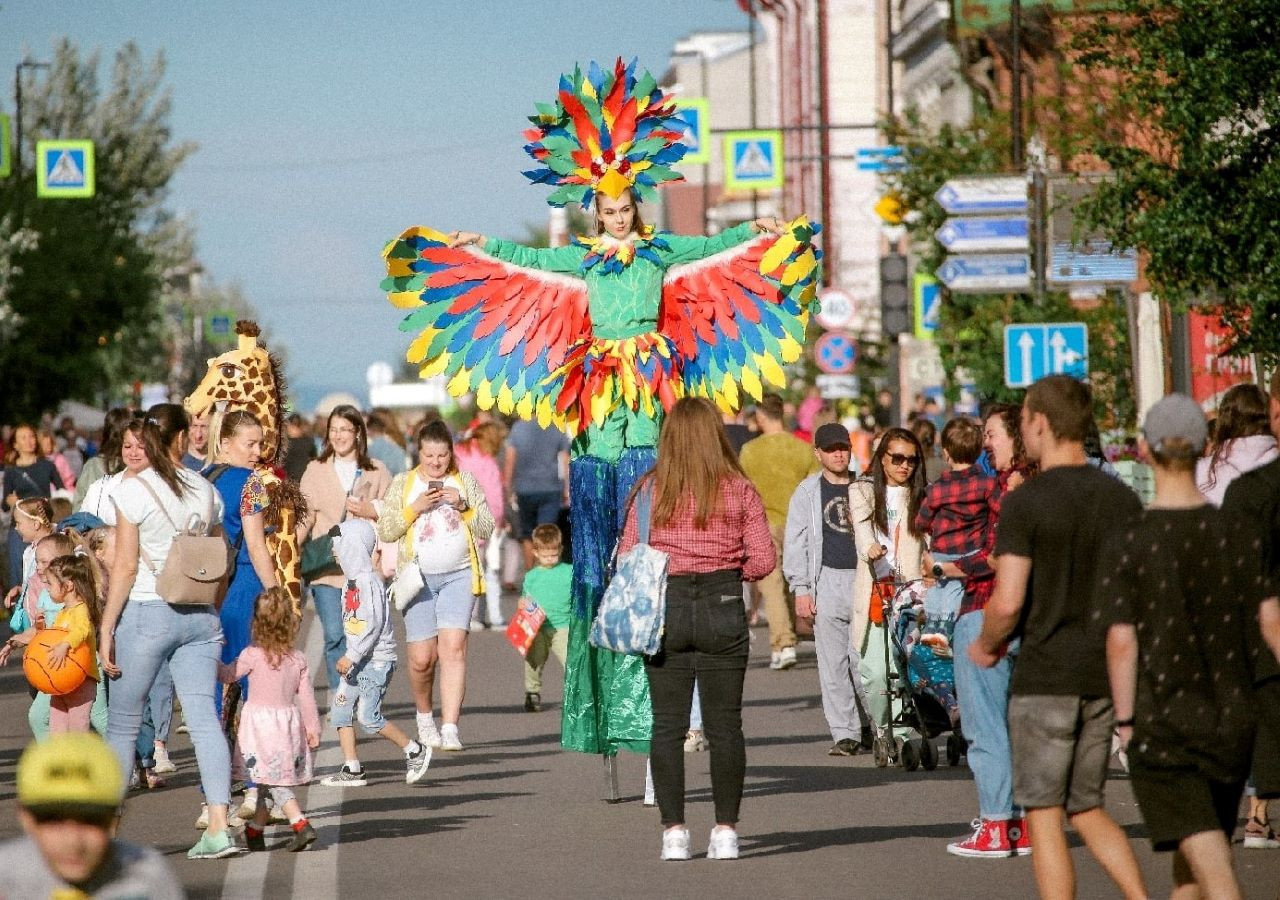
{"x":327,"y":127}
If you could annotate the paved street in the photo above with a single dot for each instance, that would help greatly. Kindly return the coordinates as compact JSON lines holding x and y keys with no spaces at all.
{"x":513,"y":815}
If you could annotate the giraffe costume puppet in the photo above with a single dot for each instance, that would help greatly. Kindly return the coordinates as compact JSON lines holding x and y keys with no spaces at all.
{"x":249,"y":378}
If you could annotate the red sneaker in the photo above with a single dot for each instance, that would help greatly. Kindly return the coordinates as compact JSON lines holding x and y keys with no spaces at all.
{"x":1019,"y":836}
{"x":990,"y":839}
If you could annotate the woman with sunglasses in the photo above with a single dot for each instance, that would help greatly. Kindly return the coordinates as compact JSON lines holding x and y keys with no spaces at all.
{"x":890,"y":552}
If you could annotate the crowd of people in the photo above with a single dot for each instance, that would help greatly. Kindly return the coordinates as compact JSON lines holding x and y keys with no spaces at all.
{"x":1078,"y":623}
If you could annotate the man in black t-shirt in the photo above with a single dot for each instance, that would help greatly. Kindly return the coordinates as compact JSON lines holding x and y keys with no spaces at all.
{"x":819,"y":564}
{"x":1048,"y":540}
{"x":1181,"y":583}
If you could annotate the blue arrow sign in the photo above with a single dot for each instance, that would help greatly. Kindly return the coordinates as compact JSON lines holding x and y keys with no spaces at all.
{"x":984,"y":234}
{"x":880,"y":159}
{"x":1033,"y":351}
{"x":983,"y":196}
{"x":996,"y":272}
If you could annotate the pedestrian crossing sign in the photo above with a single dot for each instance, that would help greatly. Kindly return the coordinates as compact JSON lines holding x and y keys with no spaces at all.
{"x":6,"y":148}
{"x":695,"y":129}
{"x":64,"y":169}
{"x":753,"y":160}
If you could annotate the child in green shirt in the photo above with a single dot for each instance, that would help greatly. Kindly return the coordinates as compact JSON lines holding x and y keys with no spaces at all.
{"x":547,"y":585}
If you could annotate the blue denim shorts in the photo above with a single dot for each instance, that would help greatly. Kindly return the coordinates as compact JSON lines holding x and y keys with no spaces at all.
{"x":445,"y":601}
{"x":363,"y":699}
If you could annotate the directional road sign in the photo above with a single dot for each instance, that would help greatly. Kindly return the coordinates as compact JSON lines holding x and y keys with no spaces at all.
{"x":6,"y":147}
{"x":880,"y":159}
{"x":64,"y":169}
{"x":753,"y":160}
{"x":697,"y":130}
{"x":838,"y":387}
{"x":928,"y":301}
{"x":1095,"y":263}
{"x":984,"y":234}
{"x":993,"y":272}
{"x":1033,"y":351}
{"x":835,"y":353}
{"x":983,"y":196}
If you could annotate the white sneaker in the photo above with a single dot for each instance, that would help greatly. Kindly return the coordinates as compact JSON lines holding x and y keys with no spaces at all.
{"x":202,"y":821}
{"x":724,"y":844}
{"x":164,"y":765}
{"x":428,"y":736}
{"x":786,"y":658}
{"x":775,"y":660}
{"x":250,"y":804}
{"x":477,"y":625}
{"x":449,"y":738}
{"x":675,"y":843}
{"x":416,"y":765}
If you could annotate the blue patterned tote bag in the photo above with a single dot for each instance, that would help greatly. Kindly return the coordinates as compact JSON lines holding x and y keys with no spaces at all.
{"x":633,"y":608}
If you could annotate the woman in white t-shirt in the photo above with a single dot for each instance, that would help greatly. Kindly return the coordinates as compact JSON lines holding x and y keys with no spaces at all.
{"x":141,"y":632}
{"x":890,"y":550}
{"x":438,"y":514}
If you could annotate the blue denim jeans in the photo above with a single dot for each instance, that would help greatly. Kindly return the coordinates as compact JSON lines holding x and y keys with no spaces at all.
{"x":984,"y":705}
{"x":189,"y":639}
{"x":328,"y":603}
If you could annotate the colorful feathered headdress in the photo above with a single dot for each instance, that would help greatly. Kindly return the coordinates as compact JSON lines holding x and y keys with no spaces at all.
{"x":607,"y":132}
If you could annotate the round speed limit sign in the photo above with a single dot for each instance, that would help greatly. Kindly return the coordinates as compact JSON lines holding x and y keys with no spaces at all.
{"x":837,"y":309}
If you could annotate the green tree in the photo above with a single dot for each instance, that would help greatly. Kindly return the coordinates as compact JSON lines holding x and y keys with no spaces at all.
{"x":1194,"y":143}
{"x":86,"y":288}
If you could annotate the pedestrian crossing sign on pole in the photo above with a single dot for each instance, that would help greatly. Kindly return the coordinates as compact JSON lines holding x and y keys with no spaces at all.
{"x":64,"y":169}
{"x":6,"y":147}
{"x":697,"y":129}
{"x":753,"y":160}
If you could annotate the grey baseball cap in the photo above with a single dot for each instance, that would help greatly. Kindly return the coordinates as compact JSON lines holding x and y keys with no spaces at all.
{"x":1179,"y":417}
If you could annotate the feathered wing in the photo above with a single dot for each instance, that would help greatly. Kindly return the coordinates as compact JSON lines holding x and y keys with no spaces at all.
{"x":495,"y":329}
{"x":738,"y":317}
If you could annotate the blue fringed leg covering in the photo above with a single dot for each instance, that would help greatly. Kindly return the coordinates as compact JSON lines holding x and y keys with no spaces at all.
{"x":606,"y":695}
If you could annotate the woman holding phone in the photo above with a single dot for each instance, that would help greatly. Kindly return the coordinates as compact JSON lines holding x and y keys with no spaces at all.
{"x":437,"y":514}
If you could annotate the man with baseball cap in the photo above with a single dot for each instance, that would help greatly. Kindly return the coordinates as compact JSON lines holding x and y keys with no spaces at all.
{"x":819,"y":563}
{"x":69,"y":791}
{"x":1179,"y":586}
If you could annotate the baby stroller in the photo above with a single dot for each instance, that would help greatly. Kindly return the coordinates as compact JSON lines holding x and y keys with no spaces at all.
{"x":918,"y":635}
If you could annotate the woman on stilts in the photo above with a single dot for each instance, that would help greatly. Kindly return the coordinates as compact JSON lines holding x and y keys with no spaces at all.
{"x":601,"y":337}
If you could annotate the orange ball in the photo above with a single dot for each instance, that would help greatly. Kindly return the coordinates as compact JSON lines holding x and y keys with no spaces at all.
{"x":43,"y":676}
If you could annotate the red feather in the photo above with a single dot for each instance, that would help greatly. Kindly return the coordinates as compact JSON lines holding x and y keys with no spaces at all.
{"x":586,"y":130}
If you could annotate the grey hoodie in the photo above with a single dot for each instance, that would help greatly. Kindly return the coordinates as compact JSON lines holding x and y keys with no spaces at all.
{"x":366,"y":613}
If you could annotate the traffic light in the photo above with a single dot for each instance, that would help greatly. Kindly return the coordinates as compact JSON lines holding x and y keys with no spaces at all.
{"x":895,"y":295}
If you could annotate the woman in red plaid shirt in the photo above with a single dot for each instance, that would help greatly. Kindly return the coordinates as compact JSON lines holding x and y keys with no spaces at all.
{"x":711,"y":522}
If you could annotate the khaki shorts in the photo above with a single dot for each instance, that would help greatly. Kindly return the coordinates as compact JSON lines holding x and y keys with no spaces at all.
{"x":1060,"y":745}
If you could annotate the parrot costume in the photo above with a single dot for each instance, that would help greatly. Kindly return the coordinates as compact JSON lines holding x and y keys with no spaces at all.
{"x":602,"y":336}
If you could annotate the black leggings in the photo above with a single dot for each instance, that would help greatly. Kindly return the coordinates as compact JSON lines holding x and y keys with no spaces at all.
{"x":705,"y":639}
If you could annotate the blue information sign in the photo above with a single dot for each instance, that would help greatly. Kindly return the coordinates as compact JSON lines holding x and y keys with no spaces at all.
{"x":1033,"y":351}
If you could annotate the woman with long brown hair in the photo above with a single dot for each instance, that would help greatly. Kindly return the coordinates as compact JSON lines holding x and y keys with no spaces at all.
{"x":1242,"y":441}
{"x":709,"y":519}
{"x":27,"y":474}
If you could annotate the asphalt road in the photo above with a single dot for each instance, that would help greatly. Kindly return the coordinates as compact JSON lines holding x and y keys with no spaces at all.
{"x":513,"y":815}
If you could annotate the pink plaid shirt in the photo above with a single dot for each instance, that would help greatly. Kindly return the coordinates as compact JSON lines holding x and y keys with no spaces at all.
{"x":736,"y":537}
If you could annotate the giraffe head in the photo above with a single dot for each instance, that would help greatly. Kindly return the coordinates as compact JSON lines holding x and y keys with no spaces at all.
{"x":247,"y":377}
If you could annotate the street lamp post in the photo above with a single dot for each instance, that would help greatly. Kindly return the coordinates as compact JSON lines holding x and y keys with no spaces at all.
{"x":17,"y":111}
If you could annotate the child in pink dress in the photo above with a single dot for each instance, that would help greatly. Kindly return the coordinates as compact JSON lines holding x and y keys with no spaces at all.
{"x":279,"y":725}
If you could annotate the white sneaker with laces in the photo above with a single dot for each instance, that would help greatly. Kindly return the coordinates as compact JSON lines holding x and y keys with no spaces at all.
{"x":344,"y":777}
{"x":416,"y":765}
{"x":164,"y":765}
{"x":723,"y":844}
{"x":250,"y":805}
{"x":428,"y":736}
{"x":786,"y":658}
{"x":449,"y":739}
{"x":675,"y":843}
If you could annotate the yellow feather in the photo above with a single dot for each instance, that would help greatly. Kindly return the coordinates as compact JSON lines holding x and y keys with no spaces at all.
{"x":434,"y":367}
{"x":484,"y":395}
{"x":772,"y":372}
{"x":545,"y":413}
{"x":460,"y":383}
{"x":524,"y":409}
{"x":405,"y":299}
{"x":506,"y":401}
{"x":797,"y":271}
{"x":418,"y":349}
{"x":790,"y":349}
{"x":751,"y":384}
{"x":601,"y":404}
{"x":778,"y":253}
{"x":398,"y":267}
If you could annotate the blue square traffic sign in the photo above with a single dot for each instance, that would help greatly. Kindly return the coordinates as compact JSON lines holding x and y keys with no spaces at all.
{"x":64,"y":169}
{"x":753,"y":160}
{"x":1032,"y":351}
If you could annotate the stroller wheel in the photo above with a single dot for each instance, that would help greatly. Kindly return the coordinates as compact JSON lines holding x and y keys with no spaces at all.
{"x":880,"y":752}
{"x":955,"y":749}
{"x":908,"y":757}
{"x":928,"y":754}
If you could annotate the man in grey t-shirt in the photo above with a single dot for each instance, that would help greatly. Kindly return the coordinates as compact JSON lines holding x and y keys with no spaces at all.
{"x":533,"y":477}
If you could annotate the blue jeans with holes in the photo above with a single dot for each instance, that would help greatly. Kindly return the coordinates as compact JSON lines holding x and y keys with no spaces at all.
{"x":984,"y":705}
{"x":189,"y":639}
{"x":328,"y":604}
